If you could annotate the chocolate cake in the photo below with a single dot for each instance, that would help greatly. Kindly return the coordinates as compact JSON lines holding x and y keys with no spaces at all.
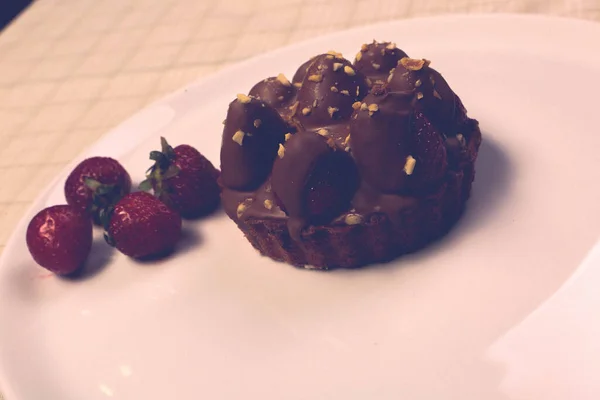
{"x":349,"y":163}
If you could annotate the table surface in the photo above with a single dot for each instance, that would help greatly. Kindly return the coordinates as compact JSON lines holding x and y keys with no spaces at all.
{"x":72,"y":69}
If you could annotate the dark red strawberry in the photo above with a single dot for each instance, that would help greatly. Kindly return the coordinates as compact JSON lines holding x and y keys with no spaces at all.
{"x":312,"y":180}
{"x":429,"y":153}
{"x":330,"y":187}
{"x":183,"y":179}
{"x":96,"y":183}
{"x":59,"y":238}
{"x":141,"y":226}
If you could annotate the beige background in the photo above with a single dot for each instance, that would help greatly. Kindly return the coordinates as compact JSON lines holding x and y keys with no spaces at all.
{"x":72,"y":69}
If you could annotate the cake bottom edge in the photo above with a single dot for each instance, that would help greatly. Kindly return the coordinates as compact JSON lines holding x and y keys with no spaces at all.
{"x":377,"y":239}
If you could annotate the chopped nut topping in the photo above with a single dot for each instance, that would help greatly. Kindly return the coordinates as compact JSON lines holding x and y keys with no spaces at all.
{"x":320,"y":67}
{"x":419,"y":96}
{"x":356,"y":105}
{"x":242,"y":98}
{"x":335,"y":54}
{"x":369,"y":82}
{"x":337,"y":66}
{"x":298,"y":85}
{"x":376,"y":66}
{"x":382,"y":52}
{"x":345,"y":92}
{"x":349,"y":70}
{"x":347,"y":140}
{"x":284,"y":81}
{"x":294,"y":107}
{"x":364,"y":48}
{"x":409,"y":166}
{"x":243,"y":206}
{"x":268,"y":204}
{"x":315,"y":78}
{"x":436,"y":94}
{"x":357,"y":91}
{"x":373,"y":108}
{"x":257,"y":123}
{"x":288,"y":136}
{"x":347,"y":149}
{"x":353,"y":219}
{"x":358,"y":56}
{"x":268,"y":188}
{"x":306,"y":111}
{"x":389,"y":79}
{"x":334,"y":89}
{"x":379,"y":82}
{"x":461,"y":138}
{"x":413,"y":64}
{"x":315,"y":103}
{"x":238,"y":137}
{"x":323,"y":132}
{"x":332,"y":110}
{"x":329,"y":57}
{"x":391,"y":46}
{"x":281,"y":151}
{"x":418,"y":83}
{"x":280,"y":98}
{"x":364,"y":107}
{"x":331,"y":143}
{"x":224,"y":122}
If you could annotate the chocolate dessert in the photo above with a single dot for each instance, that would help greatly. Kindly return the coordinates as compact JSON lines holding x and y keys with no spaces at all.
{"x":349,"y":163}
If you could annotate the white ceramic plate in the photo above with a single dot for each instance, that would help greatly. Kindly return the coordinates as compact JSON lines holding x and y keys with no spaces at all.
{"x":483,"y":314}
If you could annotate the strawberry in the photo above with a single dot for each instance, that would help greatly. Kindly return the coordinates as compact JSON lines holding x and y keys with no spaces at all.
{"x":183,"y":179}
{"x":330,"y":187}
{"x":59,"y":238}
{"x":141,"y":226}
{"x":96,"y":183}
{"x":429,"y":152}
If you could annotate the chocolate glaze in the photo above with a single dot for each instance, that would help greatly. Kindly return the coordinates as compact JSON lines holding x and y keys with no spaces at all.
{"x":313,"y":181}
{"x":407,"y":138}
{"x":275,"y":91}
{"x":251,"y":137}
{"x":330,"y":87}
{"x":377,"y":60}
{"x":381,"y":139}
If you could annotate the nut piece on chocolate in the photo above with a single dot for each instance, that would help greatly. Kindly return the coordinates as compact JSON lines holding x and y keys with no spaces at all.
{"x":382,"y":140}
{"x":330,"y":87}
{"x":433,"y":93}
{"x":376,"y":60}
{"x":301,"y":72}
{"x":251,"y":137}
{"x":275,"y":91}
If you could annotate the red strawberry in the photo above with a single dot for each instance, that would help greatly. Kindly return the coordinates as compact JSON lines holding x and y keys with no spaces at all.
{"x":429,"y":152}
{"x":330,"y":187}
{"x":141,"y":226}
{"x":96,"y":183}
{"x":184,"y":180}
{"x":59,"y":238}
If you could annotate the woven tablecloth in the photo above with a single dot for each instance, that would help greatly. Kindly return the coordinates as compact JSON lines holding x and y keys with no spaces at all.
{"x":72,"y":69}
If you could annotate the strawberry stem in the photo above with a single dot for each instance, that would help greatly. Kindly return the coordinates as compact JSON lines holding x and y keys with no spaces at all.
{"x":162,"y":169}
{"x":103,"y":196}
